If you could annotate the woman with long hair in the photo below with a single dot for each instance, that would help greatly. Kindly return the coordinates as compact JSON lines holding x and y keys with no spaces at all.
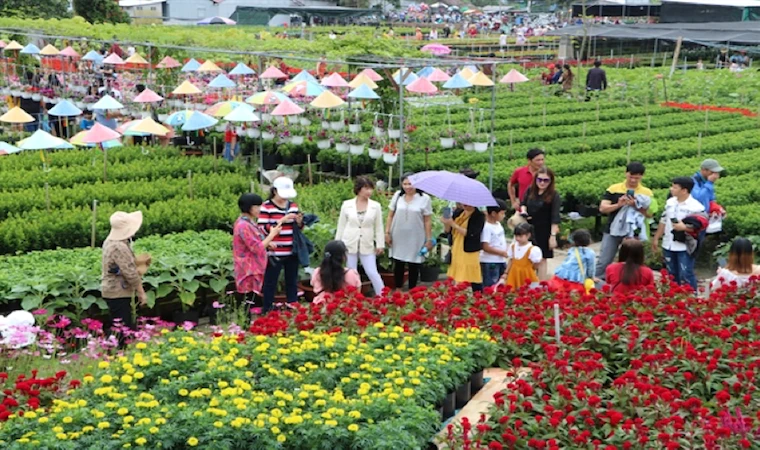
{"x":740,"y":266}
{"x":332,"y":276}
{"x":408,"y":230}
{"x":541,"y":206}
{"x":466,"y":227}
{"x":630,"y":273}
{"x":567,"y":78}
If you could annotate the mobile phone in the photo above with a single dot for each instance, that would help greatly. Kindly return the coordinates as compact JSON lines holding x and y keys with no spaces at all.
{"x":673,"y":220}
{"x":629,"y":192}
{"x":447,"y":212}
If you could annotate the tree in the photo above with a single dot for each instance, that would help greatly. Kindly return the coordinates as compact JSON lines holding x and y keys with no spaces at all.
{"x":46,"y":9}
{"x":96,"y":11}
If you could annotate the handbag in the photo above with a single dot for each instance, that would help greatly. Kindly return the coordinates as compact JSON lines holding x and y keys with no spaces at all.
{"x":588,"y":283}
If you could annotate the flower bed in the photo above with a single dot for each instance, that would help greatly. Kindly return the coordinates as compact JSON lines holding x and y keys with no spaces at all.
{"x":693,"y":107}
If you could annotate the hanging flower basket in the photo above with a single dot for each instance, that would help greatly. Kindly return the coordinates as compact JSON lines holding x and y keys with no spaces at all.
{"x":341,"y":147}
{"x":253,"y":132}
{"x":79,"y":105}
{"x":297,"y":140}
{"x":325,"y":125}
{"x":220,"y":128}
{"x":447,"y":142}
{"x":379,"y":132}
{"x":26,"y":95}
{"x":267,"y":136}
{"x":36,"y":97}
{"x":240,"y":131}
{"x":480,"y":147}
{"x":356,"y":149}
{"x":304,"y":121}
{"x":469,"y":146}
{"x":162,"y":118}
{"x":323,"y":144}
{"x":266,"y":117}
{"x":337,"y":125}
{"x":375,"y":153}
{"x":355,"y":128}
{"x":394,"y":133}
{"x":390,"y":158}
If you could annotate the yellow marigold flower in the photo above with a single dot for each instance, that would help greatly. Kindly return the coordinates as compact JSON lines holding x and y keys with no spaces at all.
{"x":353,"y":427}
{"x":126,"y":379}
{"x":106,"y":379}
{"x":43,"y":420}
{"x":139,"y":375}
{"x":57,"y":429}
{"x":66,"y":419}
{"x":140,"y":441}
{"x":281,"y":438}
{"x":275,"y":430}
{"x":103,"y":365}
{"x":408,"y":392}
{"x":183,"y":392}
{"x":160,"y":421}
{"x":61,"y":436}
{"x":331,"y":423}
{"x":192,"y":441}
{"x":141,"y":346}
{"x":104,"y":425}
{"x":153,"y":430}
{"x":87,"y":429}
{"x":379,"y":325}
{"x":122,"y":411}
{"x":30,"y":415}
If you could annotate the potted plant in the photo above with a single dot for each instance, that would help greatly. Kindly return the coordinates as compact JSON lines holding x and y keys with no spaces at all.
{"x":356,"y":145}
{"x":355,"y":127}
{"x":390,"y":153}
{"x":337,"y":123}
{"x":393,"y":133}
{"x":305,"y":119}
{"x":375,"y":149}
{"x":431,"y":267}
{"x":296,"y":133}
{"x":270,"y":132}
{"x":466,"y":140}
{"x":342,"y":143}
{"x":480,"y":142}
{"x":252,"y":130}
{"x":378,"y":128}
{"x":324,"y":139}
{"x":447,"y":138}
{"x":288,"y":153}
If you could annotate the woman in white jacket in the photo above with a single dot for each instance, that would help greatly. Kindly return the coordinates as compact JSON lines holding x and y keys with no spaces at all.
{"x":360,"y":227}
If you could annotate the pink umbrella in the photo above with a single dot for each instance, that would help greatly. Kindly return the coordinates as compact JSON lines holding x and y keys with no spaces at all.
{"x":148,"y":96}
{"x":334,"y":81}
{"x":113,"y":58}
{"x":371,"y":74}
{"x":438,"y":75}
{"x":3,"y":45}
{"x":70,"y":52}
{"x":98,"y":134}
{"x":422,"y":86}
{"x":436,"y":49}
{"x":512,"y":77}
{"x":273,"y":72}
{"x":168,"y":63}
{"x":287,"y":108}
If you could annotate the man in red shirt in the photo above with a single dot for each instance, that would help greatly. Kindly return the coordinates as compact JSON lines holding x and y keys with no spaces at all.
{"x":522,"y":177}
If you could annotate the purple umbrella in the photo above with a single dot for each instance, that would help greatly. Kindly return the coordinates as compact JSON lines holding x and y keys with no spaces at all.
{"x":453,"y":187}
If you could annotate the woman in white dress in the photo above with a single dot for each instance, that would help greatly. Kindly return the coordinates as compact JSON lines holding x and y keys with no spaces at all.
{"x":408,"y":230}
{"x":740,"y":267}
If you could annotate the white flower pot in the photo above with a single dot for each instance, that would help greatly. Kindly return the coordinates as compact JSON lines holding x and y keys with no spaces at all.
{"x":390,"y":158}
{"x":267,"y":136}
{"x":341,"y":147}
{"x":469,"y":146}
{"x":6,"y":91}
{"x":447,"y":142}
{"x":304,"y":121}
{"x":162,"y":117}
{"x":240,"y":131}
{"x":26,"y":95}
{"x":297,"y":140}
{"x":394,"y":134}
{"x":253,"y":132}
{"x":375,"y":153}
{"x":177,"y":103}
{"x":266,"y":117}
{"x":80,"y":105}
{"x":47,"y":99}
{"x":145,"y":114}
{"x":356,"y":149}
{"x":221,"y":127}
{"x":480,"y":147}
{"x":325,"y":125}
{"x":337,"y":125}
{"x":16,"y":93}
{"x":36,"y":97}
{"x":355,"y":128}
{"x":379,"y":132}
{"x":279,"y":119}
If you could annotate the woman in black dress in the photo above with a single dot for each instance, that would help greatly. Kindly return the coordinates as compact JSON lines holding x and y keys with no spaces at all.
{"x":542,"y":204}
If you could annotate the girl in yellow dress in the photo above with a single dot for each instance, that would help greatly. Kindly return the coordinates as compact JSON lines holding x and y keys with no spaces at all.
{"x":465,"y":226}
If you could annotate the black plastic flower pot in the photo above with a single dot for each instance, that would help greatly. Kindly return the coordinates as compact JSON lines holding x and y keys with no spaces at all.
{"x":476,"y":382}
{"x":449,"y":405}
{"x":463,"y":394}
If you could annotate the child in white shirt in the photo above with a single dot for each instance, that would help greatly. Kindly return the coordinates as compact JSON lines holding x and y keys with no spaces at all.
{"x":493,"y":257}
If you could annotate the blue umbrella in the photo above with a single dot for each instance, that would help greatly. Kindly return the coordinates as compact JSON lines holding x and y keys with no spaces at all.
{"x":199,"y":121}
{"x":411,"y":78}
{"x":304,"y":75}
{"x":426,"y":71}
{"x":65,"y":108}
{"x":43,"y":140}
{"x":31,"y":49}
{"x":7,"y":149}
{"x":397,"y":76}
{"x":242,"y":69}
{"x":364,"y":92}
{"x":221,"y":81}
{"x":457,"y":82}
{"x":179,"y":118}
{"x":191,"y":66}
{"x":92,"y":55}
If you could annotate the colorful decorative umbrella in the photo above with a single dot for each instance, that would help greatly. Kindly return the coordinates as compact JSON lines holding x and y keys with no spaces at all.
{"x":42,"y":140}
{"x":334,"y":80}
{"x":242,"y":69}
{"x":113,"y":59}
{"x":69,"y":52}
{"x":221,"y":82}
{"x":2,"y":45}
{"x":126,"y":129}
{"x":472,"y":68}
{"x":480,"y":79}
{"x":409,"y":78}
{"x":16,"y":115}
{"x":8,"y":149}
{"x":216,"y":20}
{"x":136,"y":59}
{"x":148,"y":96}
{"x":65,"y":108}
{"x":180,"y":117}
{"x":287,"y":108}
{"x":425,"y":71}
{"x":362,"y":80}
{"x":49,"y":50}
{"x":150,"y":126}
{"x":30,"y":49}
{"x":99,"y":133}
{"x":436,"y":49}
{"x":457,"y":82}
{"x":199,"y":121}
{"x":221,"y":109}
{"x":13,"y":45}
{"x":438,"y":75}
{"x":304,"y":88}
{"x":371,"y":74}
{"x":266,"y":98}
{"x":168,"y":63}
{"x":273,"y":73}
{"x":191,"y":66}
{"x":92,"y":55}
{"x":107,"y":102}
{"x":304,"y":75}
{"x":363,"y":92}
{"x":453,"y":187}
{"x":327,"y":100}
{"x":422,"y":86}
{"x":513,"y":76}
{"x":209,"y":66}
{"x":466,"y":73}
{"x":186,"y":88}
{"x":242,"y":114}
{"x":77,"y":140}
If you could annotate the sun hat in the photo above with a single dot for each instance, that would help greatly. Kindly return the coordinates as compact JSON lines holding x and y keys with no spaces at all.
{"x":124,"y":225}
{"x":711,"y":165}
{"x":284,"y":186}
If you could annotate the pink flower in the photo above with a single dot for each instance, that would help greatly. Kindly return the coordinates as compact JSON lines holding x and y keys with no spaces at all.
{"x":217,"y":305}
{"x":187,"y":325}
{"x":39,"y":312}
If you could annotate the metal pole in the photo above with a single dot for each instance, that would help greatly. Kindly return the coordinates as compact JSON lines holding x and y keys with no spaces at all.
{"x":493,"y":125}
{"x":401,"y":78}
{"x":94,"y":222}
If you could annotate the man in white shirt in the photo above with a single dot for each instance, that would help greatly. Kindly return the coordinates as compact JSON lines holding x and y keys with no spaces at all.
{"x":493,"y":257}
{"x":678,"y":260}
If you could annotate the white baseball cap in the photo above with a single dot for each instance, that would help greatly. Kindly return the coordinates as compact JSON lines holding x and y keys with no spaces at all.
{"x":284,"y":186}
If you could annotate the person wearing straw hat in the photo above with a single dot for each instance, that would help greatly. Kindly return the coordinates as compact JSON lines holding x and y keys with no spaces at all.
{"x":122,"y":280}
